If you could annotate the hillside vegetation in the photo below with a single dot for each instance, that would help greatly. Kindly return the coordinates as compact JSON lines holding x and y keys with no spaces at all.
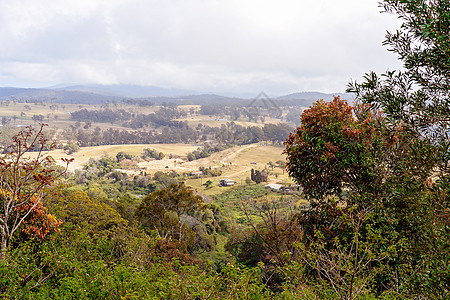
{"x":353,"y":203}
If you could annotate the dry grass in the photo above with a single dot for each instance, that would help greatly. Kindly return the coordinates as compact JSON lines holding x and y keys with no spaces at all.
{"x":85,"y":153}
{"x":215,"y":121}
{"x":235,"y":162}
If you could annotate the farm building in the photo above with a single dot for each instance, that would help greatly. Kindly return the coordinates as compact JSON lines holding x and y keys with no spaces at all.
{"x":226,"y":182}
{"x":274,"y":186}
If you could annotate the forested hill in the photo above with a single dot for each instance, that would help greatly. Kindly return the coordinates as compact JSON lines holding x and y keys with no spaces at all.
{"x":97,"y":94}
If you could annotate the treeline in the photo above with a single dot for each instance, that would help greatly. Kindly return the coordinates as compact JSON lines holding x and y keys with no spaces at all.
{"x":139,"y":102}
{"x":251,"y":113}
{"x":230,"y":134}
{"x":166,"y":116}
{"x":205,"y":151}
{"x":162,"y":117}
{"x":152,"y":153}
{"x":100,"y":116}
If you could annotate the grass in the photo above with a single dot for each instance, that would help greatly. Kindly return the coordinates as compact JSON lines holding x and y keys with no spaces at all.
{"x":214,"y":189}
{"x":136,"y":149}
{"x":235,"y":163}
{"x":58,"y":117}
{"x":242,"y":159}
{"x":85,"y":153}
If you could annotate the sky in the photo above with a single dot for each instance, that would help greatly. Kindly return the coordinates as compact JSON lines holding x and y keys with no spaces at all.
{"x":207,"y":46}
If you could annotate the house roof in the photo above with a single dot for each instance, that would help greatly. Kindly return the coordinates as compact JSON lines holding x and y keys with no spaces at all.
{"x":274,"y":186}
{"x":228,"y":180}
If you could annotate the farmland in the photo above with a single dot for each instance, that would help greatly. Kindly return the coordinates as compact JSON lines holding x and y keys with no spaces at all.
{"x":235,"y":163}
{"x":74,"y":138}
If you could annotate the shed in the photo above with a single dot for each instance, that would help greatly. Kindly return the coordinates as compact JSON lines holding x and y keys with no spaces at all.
{"x":274,"y":186}
{"x":226,"y":182}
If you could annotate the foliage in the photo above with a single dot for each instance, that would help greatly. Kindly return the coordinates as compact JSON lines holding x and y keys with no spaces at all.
{"x":258,"y":176}
{"x":418,"y":100}
{"x":419,"y":96}
{"x":165,"y":179}
{"x":24,"y":182}
{"x":117,"y":264}
{"x":71,"y":148}
{"x":165,"y":212}
{"x":139,"y":102}
{"x":173,"y":131}
{"x":208,"y":183}
{"x":210,"y":110}
{"x":423,"y":43}
{"x":386,"y":156}
{"x":77,"y":207}
{"x":38,"y":224}
{"x":205,"y":151}
{"x":364,"y":163}
{"x":163,"y":117}
{"x":332,"y":151}
{"x":101,"y":166}
{"x":276,"y":133}
{"x":214,"y":172}
{"x":120,"y":156}
{"x":231,"y":199}
{"x":269,"y":237}
{"x":152,"y":153}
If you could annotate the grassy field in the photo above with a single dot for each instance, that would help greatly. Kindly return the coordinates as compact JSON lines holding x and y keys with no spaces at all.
{"x":214,"y":121}
{"x":58,"y":117}
{"x":85,"y":153}
{"x":235,"y":163}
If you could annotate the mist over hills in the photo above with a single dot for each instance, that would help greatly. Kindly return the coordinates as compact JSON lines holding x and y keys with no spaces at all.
{"x":127,"y":90}
{"x":100,"y":94}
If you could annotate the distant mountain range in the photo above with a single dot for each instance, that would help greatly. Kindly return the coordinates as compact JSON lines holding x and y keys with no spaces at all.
{"x":99,"y":94}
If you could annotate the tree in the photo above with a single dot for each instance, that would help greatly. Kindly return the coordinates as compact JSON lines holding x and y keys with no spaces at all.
{"x":418,"y":99}
{"x":388,"y":155}
{"x":38,"y":224}
{"x":333,"y":151}
{"x":208,"y":183}
{"x":164,"y":179}
{"x":152,"y":153}
{"x":24,"y":182}
{"x":71,"y":148}
{"x":164,"y":211}
{"x":258,"y":176}
{"x":5,"y":120}
{"x":353,"y":159}
{"x":38,"y":118}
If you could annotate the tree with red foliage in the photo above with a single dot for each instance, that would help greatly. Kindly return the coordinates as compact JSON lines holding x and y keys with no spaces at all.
{"x":333,"y":150}
{"x":24,"y":182}
{"x":354,"y":160}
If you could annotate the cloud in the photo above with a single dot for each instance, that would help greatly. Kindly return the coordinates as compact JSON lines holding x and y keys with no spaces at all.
{"x":243,"y":46}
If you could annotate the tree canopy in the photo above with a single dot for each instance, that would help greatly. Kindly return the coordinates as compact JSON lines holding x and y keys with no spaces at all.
{"x":165,"y":211}
{"x":382,"y":163}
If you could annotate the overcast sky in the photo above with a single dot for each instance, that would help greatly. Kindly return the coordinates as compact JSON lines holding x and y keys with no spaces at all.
{"x":234,"y":46}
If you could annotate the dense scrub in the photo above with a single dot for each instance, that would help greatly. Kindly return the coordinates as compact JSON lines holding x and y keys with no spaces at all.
{"x":376,"y":176}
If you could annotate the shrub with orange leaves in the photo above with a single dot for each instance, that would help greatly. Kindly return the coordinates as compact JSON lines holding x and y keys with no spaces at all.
{"x":24,"y":182}
{"x":39,"y":223}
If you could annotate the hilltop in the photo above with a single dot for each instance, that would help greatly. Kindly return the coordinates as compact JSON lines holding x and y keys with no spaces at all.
{"x":101,"y":94}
